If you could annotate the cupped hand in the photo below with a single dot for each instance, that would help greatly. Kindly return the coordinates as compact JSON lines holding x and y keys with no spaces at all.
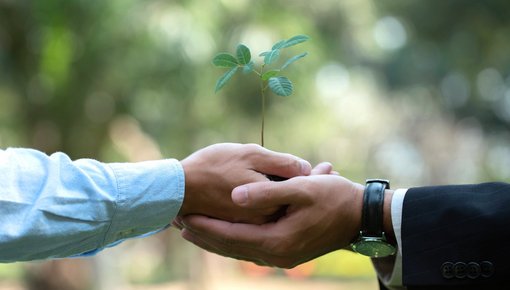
{"x":323,"y":215}
{"x":213,"y":172}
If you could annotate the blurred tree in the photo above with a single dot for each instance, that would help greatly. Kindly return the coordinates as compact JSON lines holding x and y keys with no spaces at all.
{"x":126,"y":80}
{"x":75,"y":66}
{"x":459,"y":51}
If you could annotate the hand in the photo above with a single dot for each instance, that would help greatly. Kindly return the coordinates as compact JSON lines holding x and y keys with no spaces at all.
{"x":323,"y":215}
{"x":213,"y":172}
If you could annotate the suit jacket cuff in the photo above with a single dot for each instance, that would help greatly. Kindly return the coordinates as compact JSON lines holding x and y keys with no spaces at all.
{"x":389,"y":270}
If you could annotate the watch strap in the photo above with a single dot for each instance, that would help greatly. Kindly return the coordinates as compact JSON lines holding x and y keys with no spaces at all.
{"x":372,"y":212}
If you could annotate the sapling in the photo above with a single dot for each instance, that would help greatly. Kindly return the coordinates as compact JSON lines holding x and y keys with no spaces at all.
{"x":269,"y":74}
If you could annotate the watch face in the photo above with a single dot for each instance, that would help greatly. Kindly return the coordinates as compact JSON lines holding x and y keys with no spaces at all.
{"x":374,"y":247}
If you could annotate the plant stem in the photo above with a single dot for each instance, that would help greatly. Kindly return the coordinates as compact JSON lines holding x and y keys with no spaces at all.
{"x":262,"y":90}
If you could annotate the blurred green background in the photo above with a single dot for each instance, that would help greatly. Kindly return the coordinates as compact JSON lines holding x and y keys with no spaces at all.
{"x":414,"y":91}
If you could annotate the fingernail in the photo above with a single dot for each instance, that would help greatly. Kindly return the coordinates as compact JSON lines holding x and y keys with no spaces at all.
{"x":240,"y":195}
{"x":306,"y":167}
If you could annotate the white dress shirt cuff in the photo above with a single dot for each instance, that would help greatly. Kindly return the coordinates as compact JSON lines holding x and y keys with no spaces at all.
{"x":391,"y":275}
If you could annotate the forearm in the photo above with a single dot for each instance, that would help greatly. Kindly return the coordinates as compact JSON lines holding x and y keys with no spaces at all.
{"x":52,"y":206}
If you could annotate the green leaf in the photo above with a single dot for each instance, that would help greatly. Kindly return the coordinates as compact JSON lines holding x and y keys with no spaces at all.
{"x":225,"y":60}
{"x":281,"y":86}
{"x":269,"y":74}
{"x":293,"y":59}
{"x":295,"y":40}
{"x":279,"y":44}
{"x":243,"y":54}
{"x":272,"y":56}
{"x":225,"y":78}
{"x":248,"y":68}
{"x":264,"y":53}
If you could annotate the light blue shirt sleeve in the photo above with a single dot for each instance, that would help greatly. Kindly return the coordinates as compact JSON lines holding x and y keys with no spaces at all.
{"x":53,"y":207}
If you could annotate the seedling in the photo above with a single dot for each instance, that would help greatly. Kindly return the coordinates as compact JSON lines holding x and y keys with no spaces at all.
{"x":269,"y":76}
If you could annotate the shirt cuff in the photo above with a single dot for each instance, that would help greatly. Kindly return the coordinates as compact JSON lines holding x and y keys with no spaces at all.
{"x":391,"y":275}
{"x":149,"y":196}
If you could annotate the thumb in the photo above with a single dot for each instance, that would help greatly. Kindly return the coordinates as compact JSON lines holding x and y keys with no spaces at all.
{"x":322,"y":168}
{"x":266,"y":194}
{"x":279,"y":164}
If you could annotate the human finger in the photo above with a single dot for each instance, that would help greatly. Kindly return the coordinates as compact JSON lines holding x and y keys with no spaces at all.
{"x":217,"y":247}
{"x":322,"y":168}
{"x":233,"y":234}
{"x":260,"y":195}
{"x":260,"y":255}
{"x":276,"y":163}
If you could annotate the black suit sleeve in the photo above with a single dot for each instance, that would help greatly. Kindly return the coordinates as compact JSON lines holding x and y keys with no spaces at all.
{"x":456,"y":236}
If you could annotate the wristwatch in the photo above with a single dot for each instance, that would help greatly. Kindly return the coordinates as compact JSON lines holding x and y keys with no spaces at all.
{"x":372,"y":240}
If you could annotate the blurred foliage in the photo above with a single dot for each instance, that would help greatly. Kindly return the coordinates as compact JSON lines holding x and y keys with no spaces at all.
{"x":9,"y":271}
{"x":414,"y":91}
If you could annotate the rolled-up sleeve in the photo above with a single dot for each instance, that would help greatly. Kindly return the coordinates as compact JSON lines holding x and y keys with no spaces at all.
{"x":53,"y":207}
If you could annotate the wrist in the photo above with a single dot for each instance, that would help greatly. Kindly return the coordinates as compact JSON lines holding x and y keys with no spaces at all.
{"x":373,"y":239}
{"x":188,"y":189}
{"x":357,"y":210}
